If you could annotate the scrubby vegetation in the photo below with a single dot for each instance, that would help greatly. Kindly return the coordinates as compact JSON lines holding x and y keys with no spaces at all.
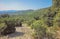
{"x":45,"y":22}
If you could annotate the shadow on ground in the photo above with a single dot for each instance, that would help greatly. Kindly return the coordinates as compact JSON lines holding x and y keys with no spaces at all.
{"x":16,"y":34}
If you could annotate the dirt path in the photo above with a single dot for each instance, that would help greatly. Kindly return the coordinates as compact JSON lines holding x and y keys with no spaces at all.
{"x":21,"y":33}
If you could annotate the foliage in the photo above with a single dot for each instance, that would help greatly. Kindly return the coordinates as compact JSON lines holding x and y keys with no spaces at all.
{"x":40,"y":29}
{"x":45,"y":22}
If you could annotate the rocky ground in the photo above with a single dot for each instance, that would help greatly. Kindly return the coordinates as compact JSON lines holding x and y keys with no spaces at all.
{"x":23,"y":32}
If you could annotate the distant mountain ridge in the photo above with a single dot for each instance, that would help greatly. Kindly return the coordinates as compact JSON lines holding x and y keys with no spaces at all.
{"x":15,"y":11}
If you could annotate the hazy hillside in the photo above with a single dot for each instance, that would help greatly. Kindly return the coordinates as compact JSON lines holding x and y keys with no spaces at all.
{"x":15,"y":11}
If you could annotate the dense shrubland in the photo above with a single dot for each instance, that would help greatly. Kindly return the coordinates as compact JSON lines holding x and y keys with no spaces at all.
{"x":8,"y":24}
{"x":48,"y":26}
{"x":45,"y":22}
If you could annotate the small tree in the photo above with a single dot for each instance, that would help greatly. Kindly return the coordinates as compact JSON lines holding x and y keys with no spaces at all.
{"x":5,"y":15}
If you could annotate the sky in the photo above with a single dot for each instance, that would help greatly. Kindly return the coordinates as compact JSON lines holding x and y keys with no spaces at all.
{"x":24,"y":4}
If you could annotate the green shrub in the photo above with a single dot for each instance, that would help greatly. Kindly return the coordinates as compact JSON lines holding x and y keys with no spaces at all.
{"x":40,"y":29}
{"x":4,"y":15}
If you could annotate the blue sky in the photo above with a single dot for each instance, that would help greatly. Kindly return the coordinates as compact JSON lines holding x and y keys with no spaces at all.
{"x":24,"y":4}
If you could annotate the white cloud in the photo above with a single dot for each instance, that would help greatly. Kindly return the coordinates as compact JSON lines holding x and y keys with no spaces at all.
{"x":13,"y":6}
